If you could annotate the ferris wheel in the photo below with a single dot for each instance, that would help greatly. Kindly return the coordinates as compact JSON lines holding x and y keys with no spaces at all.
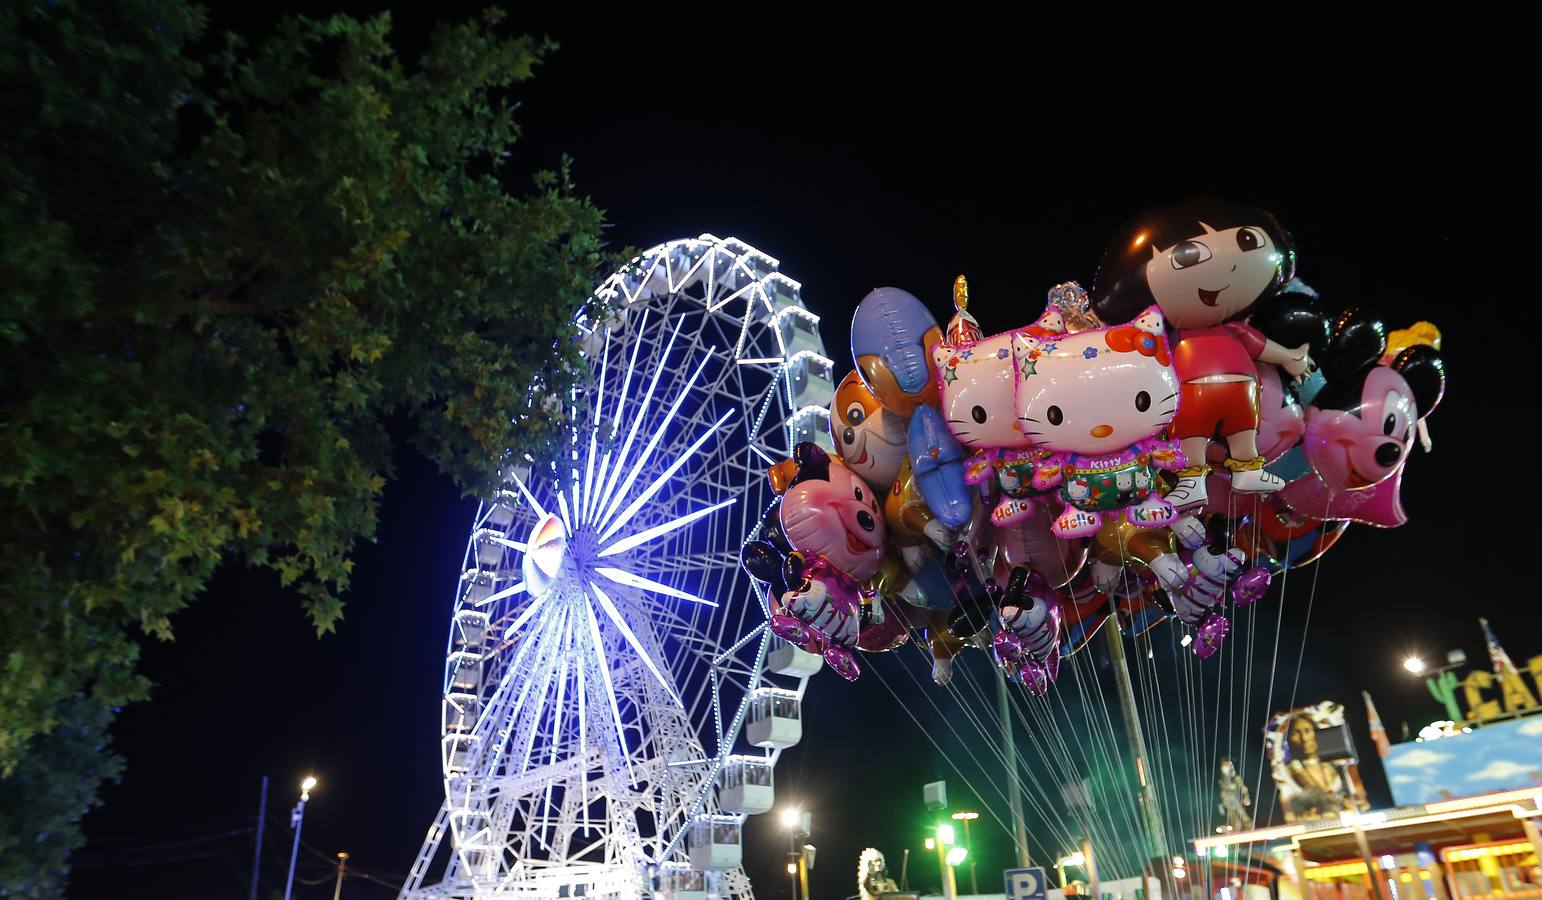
{"x":613,"y":703}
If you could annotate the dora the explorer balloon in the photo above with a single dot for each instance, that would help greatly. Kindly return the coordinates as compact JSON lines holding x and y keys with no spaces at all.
{"x":1206,"y":263}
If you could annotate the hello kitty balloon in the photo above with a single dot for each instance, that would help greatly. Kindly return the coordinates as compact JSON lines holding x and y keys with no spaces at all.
{"x":1096,"y":401}
{"x":977,"y":377}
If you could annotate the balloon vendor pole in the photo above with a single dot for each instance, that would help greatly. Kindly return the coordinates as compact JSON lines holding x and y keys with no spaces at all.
{"x":1015,"y":784}
{"x":1156,"y":838}
{"x":803,"y":871}
{"x":1092,"y":868}
{"x":949,"y":886}
{"x":1373,"y":872}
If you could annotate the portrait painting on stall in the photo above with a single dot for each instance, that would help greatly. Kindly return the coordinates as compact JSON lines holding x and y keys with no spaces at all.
{"x":1313,"y":764}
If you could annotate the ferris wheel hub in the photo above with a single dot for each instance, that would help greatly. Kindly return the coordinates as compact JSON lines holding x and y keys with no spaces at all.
{"x":548,"y":548}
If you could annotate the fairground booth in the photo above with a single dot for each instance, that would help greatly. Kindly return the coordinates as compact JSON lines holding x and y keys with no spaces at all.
{"x":1468,"y":794}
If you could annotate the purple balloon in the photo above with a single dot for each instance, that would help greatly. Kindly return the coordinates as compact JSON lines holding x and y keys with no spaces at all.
{"x":1250,"y":586}
{"x":1209,"y":635}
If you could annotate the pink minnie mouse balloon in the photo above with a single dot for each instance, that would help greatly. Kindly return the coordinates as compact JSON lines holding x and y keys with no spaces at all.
{"x":1361,"y":428}
{"x":1096,"y":400}
{"x":832,"y":519}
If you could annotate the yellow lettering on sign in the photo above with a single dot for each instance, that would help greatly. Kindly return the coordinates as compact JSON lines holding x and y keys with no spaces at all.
{"x":1473,"y":686}
{"x":1517,"y":695}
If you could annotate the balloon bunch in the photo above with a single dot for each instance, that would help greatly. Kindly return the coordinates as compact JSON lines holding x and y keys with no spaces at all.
{"x":1192,"y":425}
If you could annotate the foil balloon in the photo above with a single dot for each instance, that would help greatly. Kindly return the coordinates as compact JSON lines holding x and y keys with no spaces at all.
{"x":1206,"y":264}
{"x":978,"y":379}
{"x":1028,"y":645}
{"x":831,"y":518}
{"x":1278,"y":539}
{"x":1281,"y":424}
{"x":937,"y":462}
{"x":890,"y":332}
{"x":1199,"y":604}
{"x":1031,"y":543}
{"x":869,"y":438}
{"x":1419,"y":333}
{"x":1119,"y":544}
{"x":1095,"y":401}
{"x":1083,"y":610}
{"x":917,"y":536}
{"x":1361,"y":428}
{"x":944,"y":646}
{"x":911,"y":522}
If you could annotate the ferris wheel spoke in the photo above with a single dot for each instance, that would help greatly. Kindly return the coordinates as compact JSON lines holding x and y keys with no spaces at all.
{"x":663,"y":478}
{"x":599,"y":414}
{"x":646,"y":404}
{"x":658,"y":531}
{"x":529,"y":497}
{"x":623,"y":577}
{"x":597,"y":642}
{"x":631,"y":638}
{"x":659,"y":431}
{"x":517,"y":587}
{"x":665,"y":564}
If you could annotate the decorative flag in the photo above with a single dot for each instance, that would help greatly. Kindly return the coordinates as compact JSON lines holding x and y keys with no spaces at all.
{"x":1378,"y":733}
{"x":1503,"y":665}
{"x":1517,"y":695}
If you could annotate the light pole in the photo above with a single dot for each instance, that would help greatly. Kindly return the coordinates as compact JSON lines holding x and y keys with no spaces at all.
{"x":296,"y":820}
{"x":799,"y":823}
{"x":948,"y":856}
{"x":342,"y":866}
{"x":1074,"y":859}
{"x":966,"y":817}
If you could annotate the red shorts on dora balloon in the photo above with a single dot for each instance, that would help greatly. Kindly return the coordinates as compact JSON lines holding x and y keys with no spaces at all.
{"x":1210,"y":408}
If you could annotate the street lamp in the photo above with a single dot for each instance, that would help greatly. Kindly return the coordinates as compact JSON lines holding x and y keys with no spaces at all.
{"x":966,"y":817}
{"x":1075,"y":859}
{"x":1440,"y":681}
{"x":797,"y":822}
{"x":948,"y":856}
{"x":296,"y":821}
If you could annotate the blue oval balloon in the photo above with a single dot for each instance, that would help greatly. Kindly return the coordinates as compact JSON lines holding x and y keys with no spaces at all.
{"x":889,"y":335}
{"x":937,"y":459}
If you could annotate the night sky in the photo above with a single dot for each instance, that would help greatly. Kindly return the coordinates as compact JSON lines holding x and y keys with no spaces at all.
{"x":1005,"y":151}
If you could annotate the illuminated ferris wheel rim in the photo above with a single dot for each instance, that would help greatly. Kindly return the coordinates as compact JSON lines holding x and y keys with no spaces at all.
{"x":582,"y":547}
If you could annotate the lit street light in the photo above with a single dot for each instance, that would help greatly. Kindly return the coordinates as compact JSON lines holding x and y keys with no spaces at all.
{"x":1075,"y":859}
{"x":296,"y":820}
{"x":1414,"y":664}
{"x":948,"y":856}
{"x":797,"y":822}
{"x":966,"y":817}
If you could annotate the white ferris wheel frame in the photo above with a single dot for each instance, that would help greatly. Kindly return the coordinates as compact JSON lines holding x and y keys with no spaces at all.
{"x":596,"y":682}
